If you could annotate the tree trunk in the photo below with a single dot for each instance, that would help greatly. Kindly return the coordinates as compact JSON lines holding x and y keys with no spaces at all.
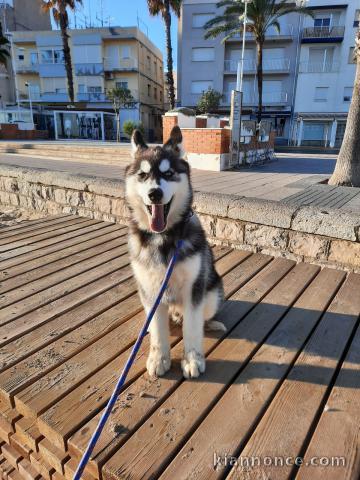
{"x":347,"y":169}
{"x":259,"y":69}
{"x":170,"y":75}
{"x":67,"y":55}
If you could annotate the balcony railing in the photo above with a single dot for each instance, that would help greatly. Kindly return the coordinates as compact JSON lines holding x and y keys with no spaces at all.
{"x":22,"y":67}
{"x":120,"y":64}
{"x":286,"y":32}
{"x":251,"y":99}
{"x":319,"y":67}
{"x":92,"y":97}
{"x":273,"y":65}
{"x":89,"y":69}
{"x":332,"y":34}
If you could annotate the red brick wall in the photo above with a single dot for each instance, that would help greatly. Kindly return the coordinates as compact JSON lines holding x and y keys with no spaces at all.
{"x":168,"y":124}
{"x":10,"y":131}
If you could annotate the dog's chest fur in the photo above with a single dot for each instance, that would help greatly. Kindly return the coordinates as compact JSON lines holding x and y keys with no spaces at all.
{"x":149,"y":269}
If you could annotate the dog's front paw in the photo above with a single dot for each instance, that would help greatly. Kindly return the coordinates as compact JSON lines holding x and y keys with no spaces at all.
{"x":193,"y":364}
{"x":158,"y":363}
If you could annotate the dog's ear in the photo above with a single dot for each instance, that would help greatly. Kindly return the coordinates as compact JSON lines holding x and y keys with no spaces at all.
{"x":137,"y":141}
{"x":175,"y":142}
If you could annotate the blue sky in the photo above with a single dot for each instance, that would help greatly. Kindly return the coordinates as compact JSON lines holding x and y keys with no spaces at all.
{"x":124,"y":13}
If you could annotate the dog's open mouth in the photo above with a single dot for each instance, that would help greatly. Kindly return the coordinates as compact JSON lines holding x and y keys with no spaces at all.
{"x":159,"y":213}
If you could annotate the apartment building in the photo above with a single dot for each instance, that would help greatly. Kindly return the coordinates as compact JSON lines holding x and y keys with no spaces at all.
{"x":102,"y":59}
{"x":326,"y":73}
{"x":288,"y":75}
{"x":18,"y":15}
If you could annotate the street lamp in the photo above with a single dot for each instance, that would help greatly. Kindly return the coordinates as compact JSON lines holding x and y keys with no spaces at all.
{"x":27,"y":84}
{"x":240,"y":68}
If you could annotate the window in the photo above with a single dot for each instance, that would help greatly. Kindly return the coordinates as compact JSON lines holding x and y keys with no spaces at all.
{"x":125,"y":51}
{"x":203,"y":54}
{"x":351,"y":55}
{"x":161,"y":96}
{"x":149,"y":89}
{"x":148,"y":62}
{"x":58,"y":56}
{"x":155,"y":93}
{"x":199,"y":19}
{"x":122,"y":84}
{"x":321,"y":94}
{"x":322,"y":22}
{"x":357,"y":18}
{"x":21,"y":57}
{"x":33,"y":58}
{"x":348,"y":94}
{"x":52,"y":56}
{"x":199,"y":86}
{"x":87,"y":54}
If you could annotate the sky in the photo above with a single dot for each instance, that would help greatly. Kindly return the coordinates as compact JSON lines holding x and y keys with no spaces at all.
{"x":125,"y":13}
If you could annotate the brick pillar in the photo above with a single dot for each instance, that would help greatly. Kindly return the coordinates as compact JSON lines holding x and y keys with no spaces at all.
{"x":201,"y":122}
{"x":168,"y":123}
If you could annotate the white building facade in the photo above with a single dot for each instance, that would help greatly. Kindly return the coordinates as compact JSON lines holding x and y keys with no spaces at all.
{"x":325,"y":79}
{"x":308,"y":55}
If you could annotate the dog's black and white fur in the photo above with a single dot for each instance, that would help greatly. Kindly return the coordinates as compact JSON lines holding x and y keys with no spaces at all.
{"x":159,"y":196}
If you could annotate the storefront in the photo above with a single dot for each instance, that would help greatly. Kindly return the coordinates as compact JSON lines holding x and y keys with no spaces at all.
{"x":84,"y":125}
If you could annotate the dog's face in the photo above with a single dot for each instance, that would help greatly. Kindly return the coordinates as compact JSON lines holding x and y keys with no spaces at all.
{"x":158,"y":189}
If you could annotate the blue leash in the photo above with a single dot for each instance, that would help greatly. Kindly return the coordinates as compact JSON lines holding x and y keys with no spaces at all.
{"x":95,"y":436}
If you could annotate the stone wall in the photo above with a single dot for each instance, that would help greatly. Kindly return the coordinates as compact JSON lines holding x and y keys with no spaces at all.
{"x":10,"y":131}
{"x":327,"y":237}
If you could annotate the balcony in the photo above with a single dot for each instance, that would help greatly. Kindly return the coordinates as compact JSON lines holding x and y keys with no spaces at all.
{"x":286,"y":34}
{"x":276,"y":65}
{"x":123,"y":64}
{"x":319,"y":67}
{"x":54,"y":97}
{"x":323,"y":34}
{"x":92,"y":97}
{"x":251,"y":99}
{"x":23,"y":67}
{"x":89,"y":69}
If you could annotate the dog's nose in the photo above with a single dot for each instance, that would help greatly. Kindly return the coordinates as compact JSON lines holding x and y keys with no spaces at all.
{"x":156,"y":195}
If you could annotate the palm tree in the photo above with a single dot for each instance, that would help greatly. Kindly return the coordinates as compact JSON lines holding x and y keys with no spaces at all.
{"x":164,"y":8}
{"x":59,"y":11}
{"x":262,"y":14}
{"x":347,"y":169}
{"x":4,"y":48}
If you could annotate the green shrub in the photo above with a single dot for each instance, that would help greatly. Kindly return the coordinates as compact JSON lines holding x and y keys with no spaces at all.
{"x":129,"y":126}
{"x":209,"y":101}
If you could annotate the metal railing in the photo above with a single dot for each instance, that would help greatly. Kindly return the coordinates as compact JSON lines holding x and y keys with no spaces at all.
{"x":26,"y":67}
{"x":92,"y":97}
{"x":286,"y":31}
{"x":271,"y":65}
{"x":323,"y":32}
{"x":121,"y":64}
{"x":251,"y":99}
{"x":89,"y":69}
{"x":319,"y":67}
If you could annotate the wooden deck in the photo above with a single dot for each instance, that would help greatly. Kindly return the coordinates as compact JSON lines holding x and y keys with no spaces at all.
{"x":282,"y":382}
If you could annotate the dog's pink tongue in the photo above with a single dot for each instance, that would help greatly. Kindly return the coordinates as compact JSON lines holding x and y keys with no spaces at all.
{"x":157,"y":218}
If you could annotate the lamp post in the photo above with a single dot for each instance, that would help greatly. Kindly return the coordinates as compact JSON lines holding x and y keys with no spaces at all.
{"x":27,"y":84}
{"x":240,"y":67}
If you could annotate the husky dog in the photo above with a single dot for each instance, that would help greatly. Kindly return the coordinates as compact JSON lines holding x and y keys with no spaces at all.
{"x":159,"y":197}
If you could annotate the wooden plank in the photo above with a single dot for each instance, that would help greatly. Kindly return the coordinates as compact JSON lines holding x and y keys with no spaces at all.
{"x":41,"y":466}
{"x":28,"y":471}
{"x":146,"y":395}
{"x":28,"y":433}
{"x":6,"y":469}
{"x":42,"y":315}
{"x":5,"y":230}
{"x":78,"y":237}
{"x":11,"y":455}
{"x":71,"y":223}
{"x":48,"y":333}
{"x":66,"y":269}
{"x":34,"y":231}
{"x":253,"y":389}
{"x":85,"y":399}
{"x":22,"y":448}
{"x":291,"y":415}
{"x":70,"y":469}
{"x":16,"y":254}
{"x":49,"y":263}
{"x":164,"y":430}
{"x":97,"y":267}
{"x":52,"y":455}
{"x":340,"y":420}
{"x":28,"y":371}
